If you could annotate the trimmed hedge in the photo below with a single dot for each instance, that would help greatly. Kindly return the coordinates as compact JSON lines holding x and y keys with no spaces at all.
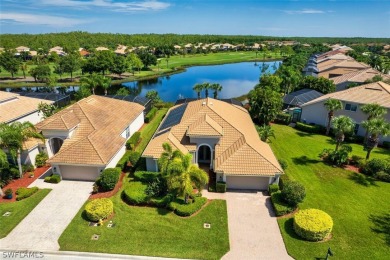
{"x":134,"y":157}
{"x":161,"y":202}
{"x":122,"y":163}
{"x":314,"y":129}
{"x":280,"y":206}
{"x":99,"y":209}
{"x":55,"y":178}
{"x":283,"y":118}
{"x":283,"y":179}
{"x":184,"y":210}
{"x":133,"y":140}
{"x":145,"y":176}
{"x":135,"y":194}
{"x":293,"y":193}
{"x":273,"y":188}
{"x":108,"y":179}
{"x":313,"y":224}
{"x":23,"y":192}
{"x":221,"y":186}
{"x":150,"y":115}
{"x":374,"y":166}
{"x":40,"y":159}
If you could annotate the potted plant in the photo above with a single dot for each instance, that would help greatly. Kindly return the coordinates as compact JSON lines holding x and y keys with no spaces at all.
{"x":8,"y":193}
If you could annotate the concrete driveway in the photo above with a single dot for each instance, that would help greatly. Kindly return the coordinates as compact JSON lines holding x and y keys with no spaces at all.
{"x":41,"y":229}
{"x":253,"y":230}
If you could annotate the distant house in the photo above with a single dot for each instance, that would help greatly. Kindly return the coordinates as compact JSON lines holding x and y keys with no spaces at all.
{"x":300,"y":97}
{"x":90,"y":135}
{"x":358,"y":77}
{"x":22,"y":49}
{"x":339,"y":68}
{"x":84,"y":52}
{"x":220,"y":136}
{"x":121,"y":50}
{"x":17,"y":108}
{"x":57,"y":49}
{"x":314,"y":112}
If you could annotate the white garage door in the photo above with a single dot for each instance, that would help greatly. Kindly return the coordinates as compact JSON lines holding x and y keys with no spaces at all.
{"x":247,"y":182}
{"x":83,"y":173}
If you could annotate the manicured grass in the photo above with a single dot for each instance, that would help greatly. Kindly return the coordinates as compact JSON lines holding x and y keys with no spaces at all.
{"x":149,"y":129}
{"x":350,"y":199}
{"x":153,"y":232}
{"x":19,"y":210}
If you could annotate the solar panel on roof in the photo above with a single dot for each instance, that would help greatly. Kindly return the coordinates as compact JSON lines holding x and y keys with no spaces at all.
{"x":174,"y":117}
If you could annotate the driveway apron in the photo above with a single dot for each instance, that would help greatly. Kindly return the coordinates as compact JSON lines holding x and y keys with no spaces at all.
{"x":41,"y":229}
{"x":253,"y":230}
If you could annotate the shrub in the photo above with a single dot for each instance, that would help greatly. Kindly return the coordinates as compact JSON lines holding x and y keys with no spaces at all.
{"x":55,"y":178}
{"x":386,"y":144}
{"x":161,"y":202}
{"x":283,"y":164}
{"x":27,"y":168}
{"x":376,"y":165}
{"x":8,"y":192}
{"x":150,"y":115}
{"x":141,"y":164}
{"x":283,"y":179}
{"x":108,"y":179}
{"x":23,"y":192}
{"x":280,"y":206}
{"x":313,"y":224}
{"x":122,"y":163}
{"x":283,"y":118}
{"x":356,"y":160}
{"x":314,"y":129}
{"x":339,"y":157}
{"x":14,"y":172}
{"x":293,"y":193}
{"x":135,"y":194}
{"x":156,"y":188}
{"x":182,"y":209}
{"x":134,"y":157}
{"x":221,"y":186}
{"x":99,"y":209}
{"x":273,"y":188}
{"x":382,"y":176}
{"x":133,"y":141}
{"x":40,"y":159}
{"x":145,"y":176}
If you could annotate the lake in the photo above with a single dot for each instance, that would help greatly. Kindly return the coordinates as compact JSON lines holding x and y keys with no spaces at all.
{"x":236,"y":79}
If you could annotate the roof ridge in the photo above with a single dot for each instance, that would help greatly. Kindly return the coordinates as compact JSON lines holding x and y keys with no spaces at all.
{"x":90,"y":141}
{"x":385,"y":86}
{"x":229,"y":151}
{"x":263,"y":155}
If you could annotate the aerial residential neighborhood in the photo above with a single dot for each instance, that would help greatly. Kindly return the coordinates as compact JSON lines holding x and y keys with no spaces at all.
{"x":194,"y":130}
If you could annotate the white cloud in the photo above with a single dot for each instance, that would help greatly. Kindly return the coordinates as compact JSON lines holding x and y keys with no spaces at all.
{"x":304,"y":11}
{"x":145,"y":5}
{"x":36,"y":19}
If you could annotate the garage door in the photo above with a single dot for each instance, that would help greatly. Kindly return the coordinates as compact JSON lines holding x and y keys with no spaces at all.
{"x":83,"y":173}
{"x":247,"y":182}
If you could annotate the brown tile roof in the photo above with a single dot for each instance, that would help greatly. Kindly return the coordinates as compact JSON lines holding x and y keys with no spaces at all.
{"x":342,"y":64}
{"x":14,"y":106}
{"x":378,"y":92}
{"x":239,"y":150}
{"x":359,"y":76}
{"x":31,"y":143}
{"x":100,"y":122}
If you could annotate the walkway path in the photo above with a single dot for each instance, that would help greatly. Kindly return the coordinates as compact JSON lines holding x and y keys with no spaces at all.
{"x":253,"y":230}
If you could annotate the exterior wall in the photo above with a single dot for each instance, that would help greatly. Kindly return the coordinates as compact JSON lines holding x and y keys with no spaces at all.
{"x":48,"y":134}
{"x":134,"y":126}
{"x":317,"y":114}
{"x":211,"y":142}
{"x":28,"y":157}
{"x":76,"y":172}
{"x":34,"y":118}
{"x":117,"y":157}
{"x":151,"y":165}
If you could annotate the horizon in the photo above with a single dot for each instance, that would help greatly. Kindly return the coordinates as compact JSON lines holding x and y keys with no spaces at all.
{"x":286,"y":18}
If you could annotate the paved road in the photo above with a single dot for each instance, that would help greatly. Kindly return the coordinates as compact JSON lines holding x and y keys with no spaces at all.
{"x":253,"y":230}
{"x":41,"y":228}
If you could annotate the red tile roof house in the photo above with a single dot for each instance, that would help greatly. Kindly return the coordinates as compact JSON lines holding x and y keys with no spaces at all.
{"x":90,"y":135}
{"x":220,"y":136}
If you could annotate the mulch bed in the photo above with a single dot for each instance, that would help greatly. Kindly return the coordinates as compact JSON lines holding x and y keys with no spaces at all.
{"x":108,"y":194}
{"x":22,"y":182}
{"x":352,"y":168}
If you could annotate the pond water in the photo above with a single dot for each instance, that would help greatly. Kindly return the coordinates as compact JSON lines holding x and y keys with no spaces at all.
{"x":236,"y":79}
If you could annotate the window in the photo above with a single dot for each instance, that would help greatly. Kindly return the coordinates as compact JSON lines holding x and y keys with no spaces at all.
{"x":127,"y":132}
{"x":351,"y":107}
{"x":356,"y":129}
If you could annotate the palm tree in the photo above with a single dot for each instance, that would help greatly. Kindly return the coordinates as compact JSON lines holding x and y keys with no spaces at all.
{"x":106,"y":84}
{"x":206,"y":87}
{"x":342,"y":125}
{"x":372,"y":111}
{"x":13,"y":136}
{"x":376,"y":127}
{"x":23,"y":67}
{"x":332,"y":105}
{"x":198,"y":88}
{"x":216,"y":87}
{"x":265,"y":132}
{"x":91,"y":81}
{"x":166,"y":158}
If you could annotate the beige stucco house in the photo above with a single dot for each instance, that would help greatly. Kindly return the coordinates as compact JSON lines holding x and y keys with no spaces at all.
{"x":18,"y":108}
{"x":221,"y":136}
{"x":90,"y":135}
{"x":358,"y":77}
{"x":352,"y":100}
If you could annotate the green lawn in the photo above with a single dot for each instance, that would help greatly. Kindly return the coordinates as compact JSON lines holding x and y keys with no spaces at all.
{"x":19,"y":210}
{"x":153,"y":232}
{"x":349,"y":198}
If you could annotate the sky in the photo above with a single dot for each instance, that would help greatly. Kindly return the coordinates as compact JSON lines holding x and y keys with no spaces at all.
{"x":315,"y":18}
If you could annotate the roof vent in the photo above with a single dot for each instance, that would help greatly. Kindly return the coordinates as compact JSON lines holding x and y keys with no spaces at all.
{"x":211,"y":103}
{"x":204,"y":103}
